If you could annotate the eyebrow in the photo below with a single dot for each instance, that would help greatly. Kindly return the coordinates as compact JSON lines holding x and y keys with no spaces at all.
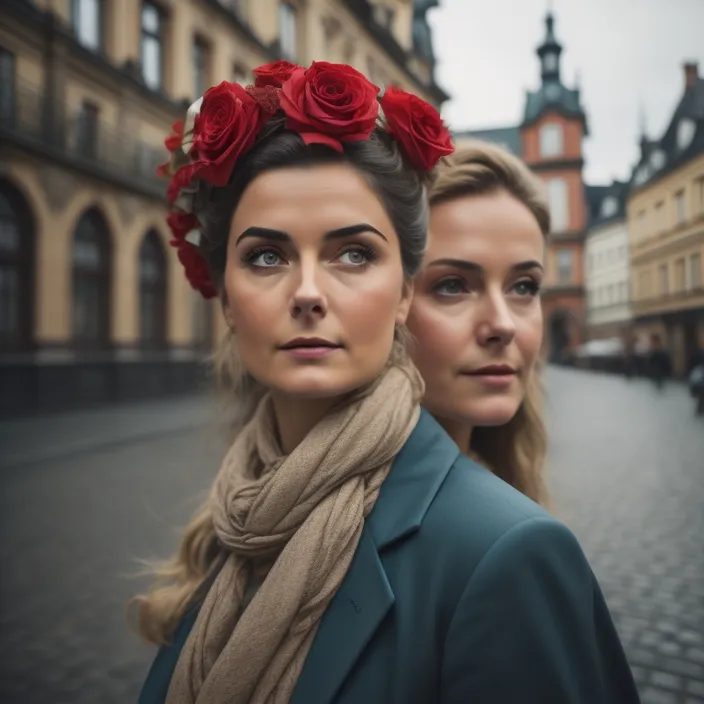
{"x":473,"y":266}
{"x":281,"y":236}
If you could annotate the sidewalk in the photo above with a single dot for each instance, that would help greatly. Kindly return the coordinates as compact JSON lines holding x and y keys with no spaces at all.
{"x":40,"y":438}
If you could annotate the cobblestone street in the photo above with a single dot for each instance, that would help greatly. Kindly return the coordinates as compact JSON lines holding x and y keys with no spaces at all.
{"x":84,"y":496}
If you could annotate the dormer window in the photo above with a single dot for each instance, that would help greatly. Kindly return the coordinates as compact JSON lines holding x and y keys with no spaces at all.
{"x":609,"y":207}
{"x":657,"y":159}
{"x":685,"y":133}
{"x":642,"y":175}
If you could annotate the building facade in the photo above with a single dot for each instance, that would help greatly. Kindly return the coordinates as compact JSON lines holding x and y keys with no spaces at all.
{"x":606,"y":273}
{"x":93,"y":304}
{"x":549,"y":139}
{"x":666,"y":228}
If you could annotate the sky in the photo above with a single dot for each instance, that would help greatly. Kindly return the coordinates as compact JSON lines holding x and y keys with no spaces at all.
{"x":626,"y":55}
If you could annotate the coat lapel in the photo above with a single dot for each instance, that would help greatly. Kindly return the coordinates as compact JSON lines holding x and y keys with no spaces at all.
{"x":365,"y":596}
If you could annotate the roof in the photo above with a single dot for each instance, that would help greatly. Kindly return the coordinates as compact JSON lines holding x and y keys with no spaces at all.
{"x":507,"y":137}
{"x":682,"y":140}
{"x":553,"y":95}
{"x":606,"y":204}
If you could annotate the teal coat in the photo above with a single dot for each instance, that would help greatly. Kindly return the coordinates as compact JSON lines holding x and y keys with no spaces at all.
{"x":462,"y":591}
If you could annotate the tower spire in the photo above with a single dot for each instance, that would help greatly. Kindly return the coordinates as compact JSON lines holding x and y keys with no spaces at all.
{"x":549,"y":51}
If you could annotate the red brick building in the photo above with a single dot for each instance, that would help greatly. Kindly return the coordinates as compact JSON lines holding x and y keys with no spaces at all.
{"x":549,"y":138}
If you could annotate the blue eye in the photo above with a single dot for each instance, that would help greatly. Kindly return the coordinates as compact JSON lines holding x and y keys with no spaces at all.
{"x":262,"y":258}
{"x":527,"y":288}
{"x":450,"y":287}
{"x":357,"y":256}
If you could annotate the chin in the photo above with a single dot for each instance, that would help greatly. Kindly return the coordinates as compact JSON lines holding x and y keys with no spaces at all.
{"x":488,"y":412}
{"x":312,"y":384}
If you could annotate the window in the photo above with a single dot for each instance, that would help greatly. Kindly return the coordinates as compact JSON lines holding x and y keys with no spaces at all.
{"x":152,"y":291}
{"x":623,"y":288}
{"x":240,"y":74}
{"x":680,"y":275}
{"x":7,"y":88}
{"x":91,"y":281}
{"x":200,"y":67}
{"x":559,"y":206}
{"x":664,"y":280}
{"x":550,"y":62}
{"x":695,"y":271}
{"x":288,"y":35}
{"x":680,"y":212}
{"x":657,"y":159}
{"x":660,"y":217}
{"x":16,"y":270}
{"x":609,"y":207}
{"x":87,"y":131}
{"x":152,"y":46}
{"x":287,"y":31}
{"x":202,"y":322}
{"x":564,"y":265}
{"x":86,"y":17}
{"x":699,"y":193}
{"x":685,"y":133}
{"x":643,"y":224}
{"x":551,"y":140}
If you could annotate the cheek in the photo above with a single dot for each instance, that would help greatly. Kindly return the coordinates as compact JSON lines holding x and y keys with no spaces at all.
{"x":529,"y":336}
{"x":438,"y":336}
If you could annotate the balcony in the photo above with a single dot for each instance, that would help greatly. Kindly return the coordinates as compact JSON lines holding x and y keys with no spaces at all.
{"x":42,"y":123}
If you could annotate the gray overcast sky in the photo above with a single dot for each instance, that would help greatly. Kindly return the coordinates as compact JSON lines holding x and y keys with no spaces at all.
{"x":627,"y":53}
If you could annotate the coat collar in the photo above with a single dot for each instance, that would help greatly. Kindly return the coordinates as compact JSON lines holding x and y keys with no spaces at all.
{"x":365,"y":596}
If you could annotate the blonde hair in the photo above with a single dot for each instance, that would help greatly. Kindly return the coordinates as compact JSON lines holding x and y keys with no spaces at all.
{"x":178,"y":580}
{"x":514,"y":451}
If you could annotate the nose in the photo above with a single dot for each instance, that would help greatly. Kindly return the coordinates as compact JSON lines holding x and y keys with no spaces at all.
{"x":496,"y":325}
{"x":308,"y":298}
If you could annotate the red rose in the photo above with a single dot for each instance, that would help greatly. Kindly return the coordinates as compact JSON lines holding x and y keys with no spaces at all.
{"x":226,"y":126}
{"x":196,"y":270}
{"x":273,"y":74}
{"x":417,"y":127}
{"x":181,"y":224}
{"x":329,"y":104}
{"x":182,"y":178}
{"x":174,"y":140}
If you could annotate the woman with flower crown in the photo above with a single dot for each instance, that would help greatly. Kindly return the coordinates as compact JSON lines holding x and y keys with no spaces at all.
{"x":348,"y":551}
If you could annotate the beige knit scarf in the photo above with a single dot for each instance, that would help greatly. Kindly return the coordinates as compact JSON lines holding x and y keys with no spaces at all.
{"x":305,"y":510}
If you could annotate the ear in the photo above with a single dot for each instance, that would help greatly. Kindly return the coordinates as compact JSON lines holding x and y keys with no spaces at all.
{"x":227,"y":310}
{"x":404,"y":304}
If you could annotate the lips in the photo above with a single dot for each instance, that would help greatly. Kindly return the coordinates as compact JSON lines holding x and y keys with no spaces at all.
{"x":309,"y":342}
{"x":493,"y":370}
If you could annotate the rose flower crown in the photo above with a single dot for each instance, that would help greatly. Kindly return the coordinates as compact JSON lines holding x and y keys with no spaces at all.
{"x":326,"y":104}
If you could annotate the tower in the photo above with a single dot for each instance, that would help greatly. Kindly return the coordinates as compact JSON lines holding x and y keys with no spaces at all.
{"x":553,"y":127}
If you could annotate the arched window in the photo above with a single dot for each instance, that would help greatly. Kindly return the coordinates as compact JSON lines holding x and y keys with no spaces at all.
{"x":152,"y":291}
{"x":91,"y":282}
{"x":16,"y":271}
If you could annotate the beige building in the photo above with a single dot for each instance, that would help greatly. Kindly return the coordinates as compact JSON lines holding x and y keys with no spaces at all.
{"x":93,"y":303}
{"x":666,"y":229}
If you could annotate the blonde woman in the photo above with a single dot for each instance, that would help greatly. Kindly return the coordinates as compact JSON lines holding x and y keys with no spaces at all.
{"x":348,"y":551}
{"x":477,"y":315}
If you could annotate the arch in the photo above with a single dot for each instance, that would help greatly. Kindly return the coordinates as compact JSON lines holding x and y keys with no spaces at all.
{"x":17,"y":269}
{"x":91,"y":266}
{"x":152,"y":290}
{"x":562,"y":334}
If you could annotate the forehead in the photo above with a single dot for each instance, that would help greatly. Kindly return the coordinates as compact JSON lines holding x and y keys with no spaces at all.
{"x":311,"y":199}
{"x":484,"y":228}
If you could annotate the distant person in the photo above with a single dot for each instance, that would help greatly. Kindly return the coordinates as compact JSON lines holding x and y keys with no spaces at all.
{"x":659,"y":362}
{"x":695,"y":373}
{"x":348,"y":551}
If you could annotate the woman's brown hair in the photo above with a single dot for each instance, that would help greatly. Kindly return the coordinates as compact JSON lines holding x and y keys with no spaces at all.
{"x":514,"y":451}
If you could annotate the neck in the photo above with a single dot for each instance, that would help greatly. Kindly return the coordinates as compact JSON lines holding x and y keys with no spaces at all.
{"x":296,"y":417}
{"x":459,"y":431}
